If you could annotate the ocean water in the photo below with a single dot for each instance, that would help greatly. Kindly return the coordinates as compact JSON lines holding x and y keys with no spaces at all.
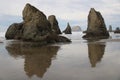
{"x":79,"y":60}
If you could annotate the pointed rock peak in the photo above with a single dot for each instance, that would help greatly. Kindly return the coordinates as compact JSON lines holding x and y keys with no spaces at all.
{"x":30,"y":12}
{"x":92,"y":9}
{"x":51,"y":18}
{"x":68,"y":25}
{"x":68,"y":29}
{"x":96,"y":26}
{"x":28,"y":4}
{"x":54,"y":24}
{"x":30,"y":7}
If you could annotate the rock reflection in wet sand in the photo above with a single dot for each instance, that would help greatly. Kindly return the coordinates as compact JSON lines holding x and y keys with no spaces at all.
{"x":37,"y":59}
{"x":95,"y":52}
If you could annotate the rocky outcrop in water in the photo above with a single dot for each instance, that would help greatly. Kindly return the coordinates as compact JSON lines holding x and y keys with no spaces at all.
{"x":35,"y":27}
{"x":54,"y":24}
{"x":68,"y":29}
{"x":76,"y":28}
{"x":14,"y":31}
{"x":96,"y":26}
{"x":117,"y":30}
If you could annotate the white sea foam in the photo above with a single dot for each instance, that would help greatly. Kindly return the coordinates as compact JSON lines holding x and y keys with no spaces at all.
{"x":2,"y":36}
{"x":74,"y":35}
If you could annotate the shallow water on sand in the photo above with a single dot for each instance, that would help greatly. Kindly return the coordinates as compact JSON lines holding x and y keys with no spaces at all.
{"x":79,"y":60}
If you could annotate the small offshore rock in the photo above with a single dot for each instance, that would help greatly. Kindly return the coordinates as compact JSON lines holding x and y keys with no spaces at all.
{"x":68,"y":29}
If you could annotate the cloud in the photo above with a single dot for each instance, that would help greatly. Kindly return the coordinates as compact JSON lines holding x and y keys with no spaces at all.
{"x":15,"y":7}
{"x":61,"y":7}
{"x":74,"y":11}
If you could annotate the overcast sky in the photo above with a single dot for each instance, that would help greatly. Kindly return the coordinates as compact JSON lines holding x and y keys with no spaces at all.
{"x":73,"y":11}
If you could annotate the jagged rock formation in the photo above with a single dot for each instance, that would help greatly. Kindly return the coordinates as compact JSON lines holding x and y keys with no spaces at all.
{"x":14,"y":31}
{"x":96,"y":26}
{"x":54,"y":24}
{"x":68,"y":29}
{"x":35,"y":27}
{"x":76,"y":28}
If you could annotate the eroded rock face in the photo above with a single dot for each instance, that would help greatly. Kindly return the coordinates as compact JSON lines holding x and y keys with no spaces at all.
{"x":68,"y":29}
{"x":96,"y":26}
{"x":14,"y":31}
{"x":35,"y":27}
{"x":54,"y":24}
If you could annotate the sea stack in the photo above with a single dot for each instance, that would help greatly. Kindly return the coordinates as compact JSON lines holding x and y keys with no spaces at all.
{"x":76,"y":29}
{"x":96,"y":26}
{"x":35,"y":27}
{"x":68,"y":29}
{"x":54,"y":24}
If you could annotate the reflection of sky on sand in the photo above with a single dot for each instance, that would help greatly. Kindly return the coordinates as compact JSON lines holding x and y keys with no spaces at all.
{"x":76,"y":64}
{"x":73,"y":61}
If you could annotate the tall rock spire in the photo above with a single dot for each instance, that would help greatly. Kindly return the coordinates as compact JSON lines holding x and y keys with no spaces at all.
{"x":96,"y":26}
{"x":54,"y":24}
{"x":68,"y":29}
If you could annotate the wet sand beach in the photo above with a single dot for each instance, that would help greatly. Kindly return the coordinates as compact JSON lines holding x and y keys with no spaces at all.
{"x":79,"y":60}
